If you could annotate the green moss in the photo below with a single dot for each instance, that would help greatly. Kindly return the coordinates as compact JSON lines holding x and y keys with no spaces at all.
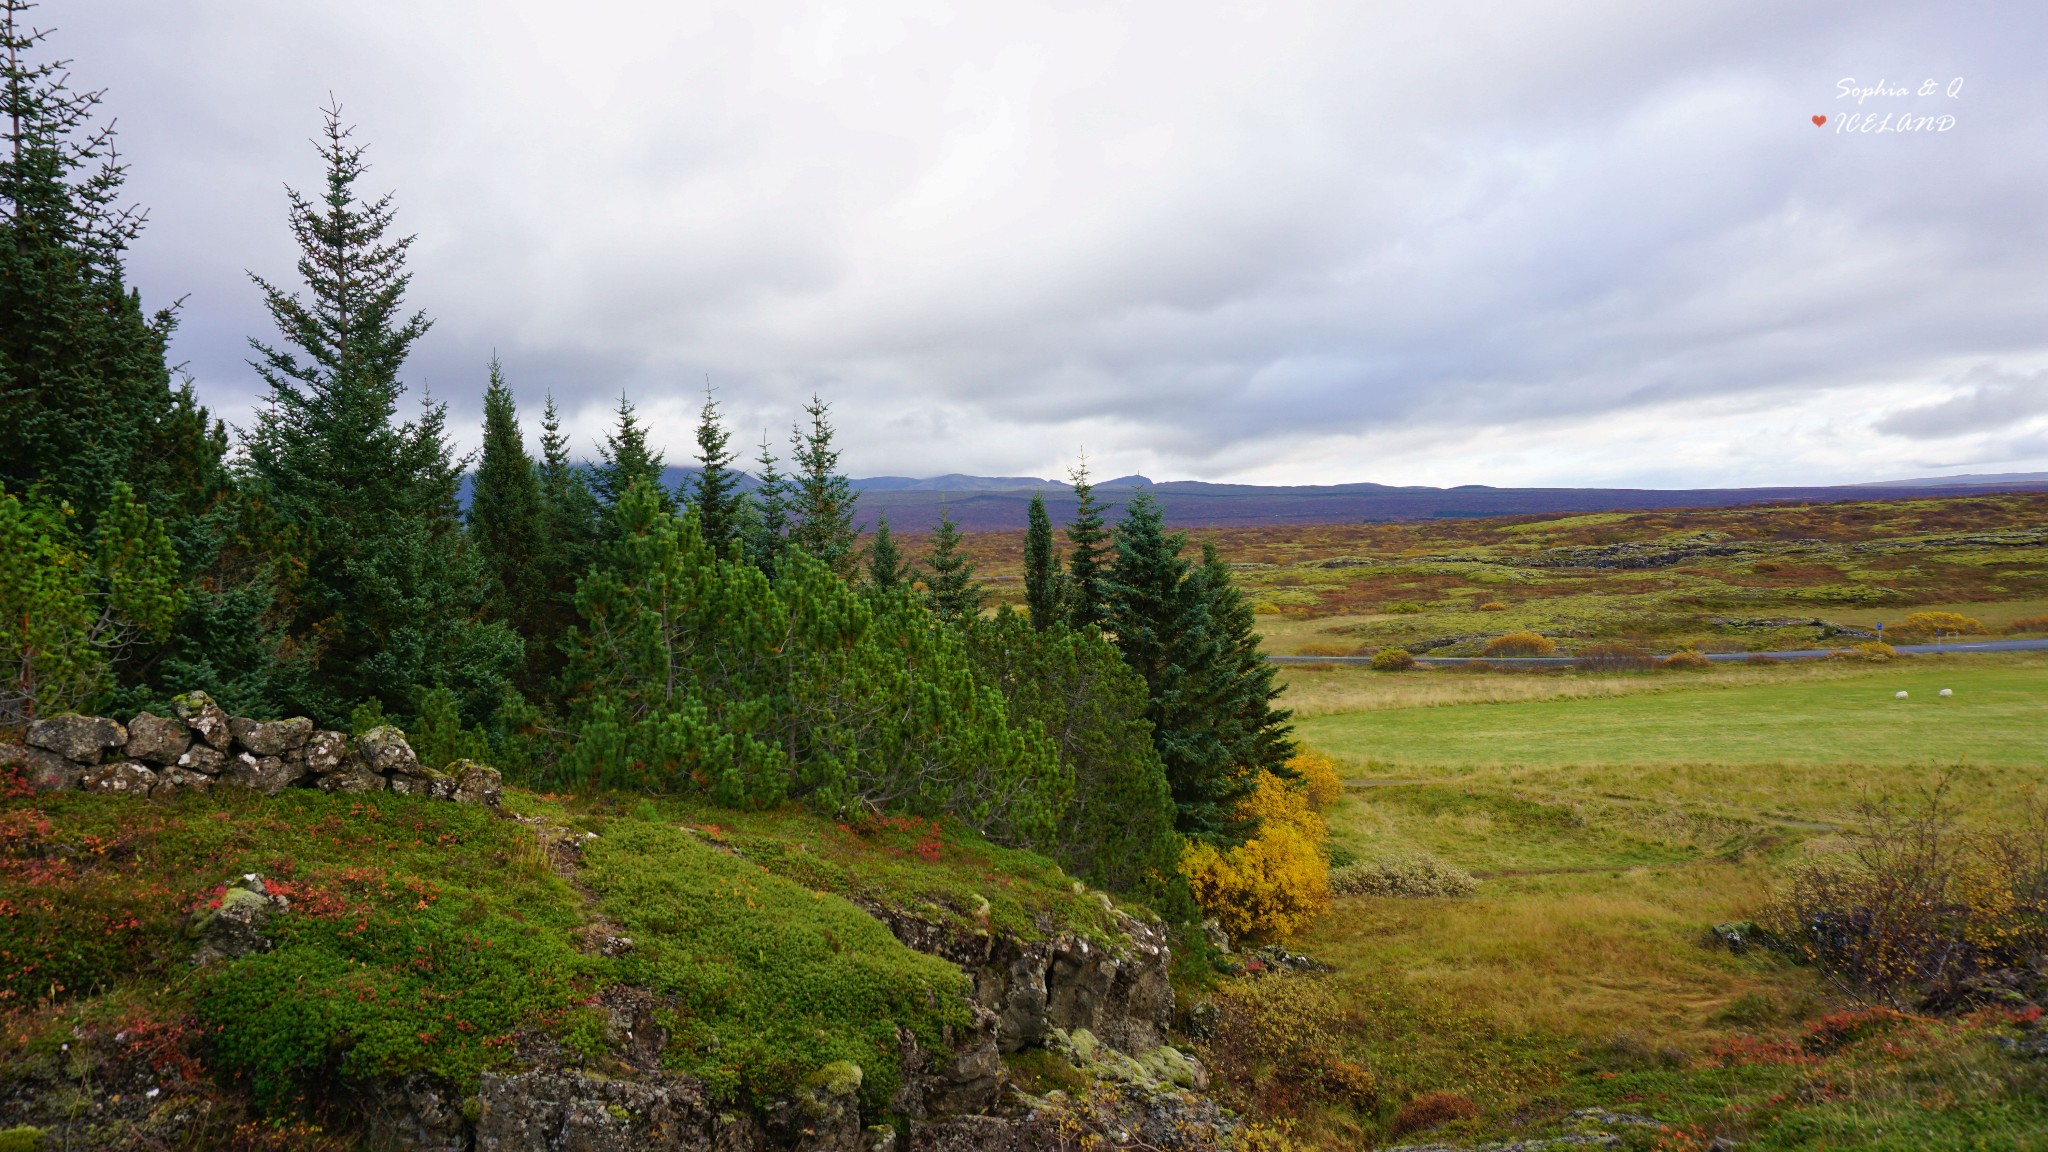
{"x":21,"y":1139}
{"x":775,"y":981}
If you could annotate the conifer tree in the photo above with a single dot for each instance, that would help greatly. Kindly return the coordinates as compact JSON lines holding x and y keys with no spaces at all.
{"x":822,"y":500}
{"x":505,"y":508}
{"x":951,"y":590}
{"x":391,"y":591}
{"x":1086,"y":587}
{"x":569,"y":534}
{"x":1041,"y":568}
{"x":1256,"y":732}
{"x":886,"y":571}
{"x":86,"y":400}
{"x":1159,"y":614}
{"x":624,"y":458}
{"x":715,"y":493}
{"x":766,"y":532}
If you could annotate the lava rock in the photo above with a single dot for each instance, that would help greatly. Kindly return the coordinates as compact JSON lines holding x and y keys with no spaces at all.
{"x":121,"y":778}
{"x":383,"y":750}
{"x":266,"y":774}
{"x":476,"y":783}
{"x":205,"y":718}
{"x":323,"y":752}
{"x":238,"y":925}
{"x":156,"y":739}
{"x":174,"y":781}
{"x":425,"y":782}
{"x":273,"y":737}
{"x":79,"y":739}
{"x":45,"y":770}
{"x":353,"y":778}
{"x":202,"y":758}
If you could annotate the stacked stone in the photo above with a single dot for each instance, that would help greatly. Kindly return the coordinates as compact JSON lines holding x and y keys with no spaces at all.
{"x":200,"y":747}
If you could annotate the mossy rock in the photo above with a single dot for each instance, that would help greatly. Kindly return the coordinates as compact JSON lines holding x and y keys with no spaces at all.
{"x":22,"y":1139}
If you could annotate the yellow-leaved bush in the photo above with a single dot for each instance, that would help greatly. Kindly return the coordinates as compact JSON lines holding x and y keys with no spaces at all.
{"x":1318,"y":775}
{"x":1274,"y":884}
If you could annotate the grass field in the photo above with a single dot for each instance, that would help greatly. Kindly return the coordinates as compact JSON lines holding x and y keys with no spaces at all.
{"x":1613,"y":820}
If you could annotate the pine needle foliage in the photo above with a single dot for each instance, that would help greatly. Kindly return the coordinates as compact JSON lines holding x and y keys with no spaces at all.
{"x":951,"y":590}
{"x":1041,"y":568}
{"x":1086,"y":586}
{"x":715,"y":493}
{"x":624,"y":458}
{"x":886,"y":569}
{"x":505,"y":507}
{"x":390,"y":599}
{"x":766,"y":530}
{"x":695,"y":673}
{"x":821,"y":499}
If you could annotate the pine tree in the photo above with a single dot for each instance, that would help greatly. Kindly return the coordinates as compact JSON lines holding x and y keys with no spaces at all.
{"x":766,"y":531}
{"x":505,"y":508}
{"x":886,"y":571}
{"x":822,"y":500}
{"x":86,"y":400}
{"x":1086,"y":586}
{"x":1041,"y":568}
{"x":624,"y":458}
{"x":569,"y":536}
{"x":1256,"y":732}
{"x":391,"y":591}
{"x":951,"y":590}
{"x":1159,"y":613}
{"x":715,"y":493}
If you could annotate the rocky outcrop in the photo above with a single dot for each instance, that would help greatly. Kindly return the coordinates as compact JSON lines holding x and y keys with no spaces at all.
{"x":199,"y":747}
{"x":236,"y":923}
{"x":1120,"y":993}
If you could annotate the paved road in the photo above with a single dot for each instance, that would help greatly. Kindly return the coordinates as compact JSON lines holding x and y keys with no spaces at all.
{"x":1724,"y":657}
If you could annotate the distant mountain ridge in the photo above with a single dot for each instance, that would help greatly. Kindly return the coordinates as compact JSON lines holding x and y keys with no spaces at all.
{"x":993,"y":503}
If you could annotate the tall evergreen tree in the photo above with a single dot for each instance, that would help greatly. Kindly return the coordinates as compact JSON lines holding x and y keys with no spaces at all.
{"x":1256,"y":732}
{"x":1041,"y":568}
{"x":715,"y":493}
{"x":391,"y":590}
{"x":86,"y":400}
{"x":505,"y":508}
{"x":822,"y":500}
{"x":766,"y":531}
{"x":886,"y":571}
{"x":624,"y":458}
{"x":1159,"y":613}
{"x":1086,"y":587}
{"x":951,"y":590}
{"x":569,"y":536}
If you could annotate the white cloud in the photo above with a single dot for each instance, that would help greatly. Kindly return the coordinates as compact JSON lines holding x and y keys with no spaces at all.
{"x":1565,"y":243}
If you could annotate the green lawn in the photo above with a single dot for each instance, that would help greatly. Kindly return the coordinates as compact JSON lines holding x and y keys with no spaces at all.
{"x":1998,"y":718}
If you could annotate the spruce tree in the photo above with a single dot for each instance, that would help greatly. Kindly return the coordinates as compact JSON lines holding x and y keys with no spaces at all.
{"x":505,"y":517}
{"x":715,"y":493}
{"x":886,"y":571}
{"x":951,"y":590}
{"x":391,"y":590}
{"x":1041,"y":568}
{"x":569,"y":536}
{"x":624,"y":458}
{"x":86,"y":400}
{"x":822,"y":500}
{"x":766,"y":531}
{"x":1086,"y":587}
{"x":1256,"y":732}
{"x":1159,"y":613}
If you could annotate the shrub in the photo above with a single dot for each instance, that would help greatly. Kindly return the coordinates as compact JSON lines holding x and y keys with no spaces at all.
{"x":1614,"y":658}
{"x":1393,"y":660}
{"x":1413,"y":876}
{"x":2029,"y":624}
{"x":1318,"y":776}
{"x":1928,"y":623}
{"x":1520,"y":644}
{"x":1433,"y":1110}
{"x":1685,"y":660}
{"x":1319,"y":649}
{"x":1875,"y":651}
{"x":1917,"y":908}
{"x":1275,"y":1040}
{"x":1493,"y":606}
{"x":1273,"y":884}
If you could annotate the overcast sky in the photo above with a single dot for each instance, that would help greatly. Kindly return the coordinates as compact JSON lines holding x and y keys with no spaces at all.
{"x":1302,"y":242}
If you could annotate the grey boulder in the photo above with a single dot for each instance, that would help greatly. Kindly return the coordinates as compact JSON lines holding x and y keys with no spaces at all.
{"x":82,"y":739}
{"x":122,"y":778}
{"x":205,"y":718}
{"x":266,"y":774}
{"x":354,"y":777}
{"x":238,"y":925}
{"x":46,"y":771}
{"x":156,"y":739}
{"x":383,"y":750}
{"x":201,"y":758}
{"x":476,"y":783}
{"x":174,"y":781}
{"x":271,"y":737}
{"x":323,"y":752}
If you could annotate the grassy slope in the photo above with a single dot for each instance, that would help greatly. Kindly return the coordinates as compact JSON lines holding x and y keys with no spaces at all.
{"x":424,"y":935}
{"x":1577,"y":976}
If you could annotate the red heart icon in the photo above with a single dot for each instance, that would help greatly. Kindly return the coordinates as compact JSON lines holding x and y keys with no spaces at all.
{"x":1819,"y":120}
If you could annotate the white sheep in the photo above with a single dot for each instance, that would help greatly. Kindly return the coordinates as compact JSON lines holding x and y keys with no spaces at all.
{"x":1898,"y":695}
{"x":1948,"y":691}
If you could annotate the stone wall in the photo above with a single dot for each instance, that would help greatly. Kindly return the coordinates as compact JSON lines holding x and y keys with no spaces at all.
{"x":199,"y":747}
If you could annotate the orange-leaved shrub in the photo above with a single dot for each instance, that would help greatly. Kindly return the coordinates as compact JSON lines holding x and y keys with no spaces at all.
{"x":1493,"y":606}
{"x":1614,"y":658}
{"x":1520,"y":644}
{"x":1317,"y":776}
{"x":1685,"y":659}
{"x":1274,"y":884}
{"x":2029,"y":624}
{"x":1277,"y":1043}
{"x":1433,"y":1109}
{"x":1929,"y":623}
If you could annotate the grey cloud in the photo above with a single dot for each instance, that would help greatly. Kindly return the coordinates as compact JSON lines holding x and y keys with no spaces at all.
{"x":1199,"y":239}
{"x":1993,"y":401}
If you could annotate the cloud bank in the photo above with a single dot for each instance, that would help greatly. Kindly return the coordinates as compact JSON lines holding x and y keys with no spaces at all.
{"x":1568,"y":243}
